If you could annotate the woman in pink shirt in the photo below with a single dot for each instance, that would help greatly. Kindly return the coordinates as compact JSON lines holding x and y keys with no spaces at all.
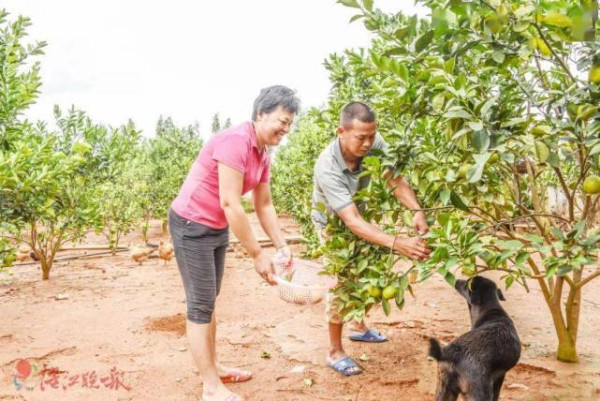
{"x":232,"y":163}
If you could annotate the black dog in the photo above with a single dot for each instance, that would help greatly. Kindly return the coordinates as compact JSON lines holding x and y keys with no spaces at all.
{"x":475,"y":363}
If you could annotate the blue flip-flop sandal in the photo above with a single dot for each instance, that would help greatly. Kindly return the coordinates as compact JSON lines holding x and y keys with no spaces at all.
{"x":344,"y":365}
{"x":369,"y":336}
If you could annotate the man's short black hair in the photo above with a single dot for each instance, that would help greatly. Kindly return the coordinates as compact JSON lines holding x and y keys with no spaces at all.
{"x":356,"y":111}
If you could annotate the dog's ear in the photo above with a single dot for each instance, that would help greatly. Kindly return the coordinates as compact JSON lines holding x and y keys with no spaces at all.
{"x":500,"y":295}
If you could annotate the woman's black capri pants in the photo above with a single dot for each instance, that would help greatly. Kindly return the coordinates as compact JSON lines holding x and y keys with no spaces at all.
{"x":200,"y":254}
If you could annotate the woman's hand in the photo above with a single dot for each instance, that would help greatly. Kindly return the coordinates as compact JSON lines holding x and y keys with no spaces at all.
{"x":264,"y":267}
{"x":283,"y":256}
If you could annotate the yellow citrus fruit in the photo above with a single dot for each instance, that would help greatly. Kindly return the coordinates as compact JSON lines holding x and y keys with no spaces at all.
{"x":542,"y":151}
{"x":8,"y":260}
{"x":591,"y":185}
{"x":495,"y":25}
{"x":389,"y":292}
{"x":541,"y":129}
{"x":572,"y":110}
{"x":494,"y":158}
{"x":374,"y":291}
{"x":462,"y":173}
{"x":595,"y":75}
{"x":586,"y":111}
{"x":541,"y":46}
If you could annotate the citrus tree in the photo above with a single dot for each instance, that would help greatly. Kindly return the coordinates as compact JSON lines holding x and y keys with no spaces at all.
{"x":45,"y":196}
{"x":486,"y":105}
{"x":19,"y":80}
{"x":292,"y":171}
{"x":41,"y":203}
{"x":19,"y":87}
{"x":57,"y":185}
{"x":163,"y":164}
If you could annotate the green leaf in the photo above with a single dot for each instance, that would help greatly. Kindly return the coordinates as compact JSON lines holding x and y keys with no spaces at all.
{"x":400,"y":299}
{"x":551,"y":271}
{"x":349,"y":3}
{"x":449,"y":65}
{"x":450,"y":263}
{"x":445,"y":196}
{"x":444,"y":218}
{"x":595,"y":150}
{"x":386,"y":306}
{"x":512,"y":245}
{"x":457,"y":202}
{"x":368,"y":5}
{"x":402,"y":72}
{"x":498,"y":56}
{"x":459,"y":113}
{"x":356,"y":17}
{"x":476,"y":125}
{"x":424,"y":40}
{"x":475,"y":172}
{"x":481,"y":140}
{"x":407,"y":218}
{"x":487,"y":106}
{"x":521,"y":258}
{"x":534,"y":238}
{"x":450,"y":279}
{"x":556,"y":19}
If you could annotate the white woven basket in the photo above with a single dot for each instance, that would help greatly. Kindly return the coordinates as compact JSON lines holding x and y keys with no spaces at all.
{"x":301,"y":282}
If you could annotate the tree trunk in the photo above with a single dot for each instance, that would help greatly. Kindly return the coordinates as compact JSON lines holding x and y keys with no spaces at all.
{"x":145,"y":228}
{"x":45,"y":269}
{"x":566,"y":328}
{"x":567,"y":348}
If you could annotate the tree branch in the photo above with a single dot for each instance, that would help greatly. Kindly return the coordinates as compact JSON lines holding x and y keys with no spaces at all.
{"x":560,"y":60}
{"x":588,"y":279}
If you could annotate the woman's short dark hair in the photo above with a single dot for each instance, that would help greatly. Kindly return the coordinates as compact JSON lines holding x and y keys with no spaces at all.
{"x":274,"y":96}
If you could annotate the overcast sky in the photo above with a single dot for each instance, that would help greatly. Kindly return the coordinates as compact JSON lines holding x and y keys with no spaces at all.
{"x":121,"y":59}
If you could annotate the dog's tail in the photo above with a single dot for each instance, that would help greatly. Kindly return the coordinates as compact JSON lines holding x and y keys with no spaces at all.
{"x":435,"y":350}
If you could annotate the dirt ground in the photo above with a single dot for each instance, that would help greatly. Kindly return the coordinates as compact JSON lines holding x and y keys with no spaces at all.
{"x":109,"y":329}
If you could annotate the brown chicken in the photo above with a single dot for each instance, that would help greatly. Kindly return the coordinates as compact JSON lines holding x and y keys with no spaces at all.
{"x":140,"y":254}
{"x":165,"y":251}
{"x":23,"y":253}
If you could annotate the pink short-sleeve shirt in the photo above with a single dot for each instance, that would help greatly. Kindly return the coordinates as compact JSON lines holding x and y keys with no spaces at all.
{"x":236,"y":147}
